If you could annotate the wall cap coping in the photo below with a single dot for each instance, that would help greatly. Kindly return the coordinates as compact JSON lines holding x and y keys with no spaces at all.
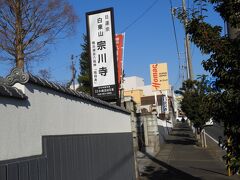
{"x":59,"y":88}
{"x":17,"y":75}
{"x":9,"y":91}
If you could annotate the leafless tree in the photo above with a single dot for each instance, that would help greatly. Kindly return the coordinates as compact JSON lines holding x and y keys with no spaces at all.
{"x":27,"y":26}
{"x":45,"y":73}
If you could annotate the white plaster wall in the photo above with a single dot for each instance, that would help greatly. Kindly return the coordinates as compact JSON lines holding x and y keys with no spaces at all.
{"x":147,"y":91}
{"x":133,"y":82}
{"x":47,"y":112}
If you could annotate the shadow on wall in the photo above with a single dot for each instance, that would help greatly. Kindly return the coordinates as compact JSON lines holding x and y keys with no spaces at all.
{"x":86,"y":99}
{"x":16,"y":102}
{"x":163,"y":133}
{"x":140,"y":134}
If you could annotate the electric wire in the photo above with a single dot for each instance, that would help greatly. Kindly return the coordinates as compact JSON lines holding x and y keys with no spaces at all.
{"x":176,"y":42}
{"x":140,"y":16}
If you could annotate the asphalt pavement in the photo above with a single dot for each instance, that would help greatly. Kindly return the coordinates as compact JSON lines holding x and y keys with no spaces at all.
{"x":215,"y":131}
{"x":181,"y":159}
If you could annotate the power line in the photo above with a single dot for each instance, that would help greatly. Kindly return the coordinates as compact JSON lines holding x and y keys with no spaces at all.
{"x":176,"y":42}
{"x":140,"y":16}
{"x":174,"y":30}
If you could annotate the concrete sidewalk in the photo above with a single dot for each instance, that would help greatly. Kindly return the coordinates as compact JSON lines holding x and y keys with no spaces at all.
{"x":181,"y":159}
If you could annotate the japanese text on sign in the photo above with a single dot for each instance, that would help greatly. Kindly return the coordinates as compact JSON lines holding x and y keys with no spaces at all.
{"x":102,"y":52}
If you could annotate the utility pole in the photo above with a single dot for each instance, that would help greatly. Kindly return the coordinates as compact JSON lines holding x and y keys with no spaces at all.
{"x":73,"y":69}
{"x":187,"y":43}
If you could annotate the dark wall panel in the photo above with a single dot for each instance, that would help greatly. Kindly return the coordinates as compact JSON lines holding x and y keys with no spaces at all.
{"x":96,"y":156}
{"x":3,"y":172}
{"x":33,"y":170}
{"x":76,"y":157}
{"x":23,"y":171}
{"x":12,"y":172}
{"x":56,"y":157}
{"x":42,"y":164}
{"x":50,"y":160}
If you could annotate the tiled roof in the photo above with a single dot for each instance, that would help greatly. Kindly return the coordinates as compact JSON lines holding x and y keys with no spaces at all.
{"x":9,"y":91}
{"x":62,"y":89}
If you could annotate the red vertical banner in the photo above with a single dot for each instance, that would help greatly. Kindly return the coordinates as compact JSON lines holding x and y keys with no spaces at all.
{"x":119,"y":47}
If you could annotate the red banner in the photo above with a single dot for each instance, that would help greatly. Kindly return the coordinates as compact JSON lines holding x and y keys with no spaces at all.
{"x":119,"y":45}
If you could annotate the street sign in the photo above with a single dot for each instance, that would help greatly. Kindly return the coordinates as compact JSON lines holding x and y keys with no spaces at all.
{"x":164,"y":104}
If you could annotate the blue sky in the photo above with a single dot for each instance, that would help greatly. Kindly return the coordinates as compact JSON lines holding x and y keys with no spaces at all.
{"x":149,"y":40}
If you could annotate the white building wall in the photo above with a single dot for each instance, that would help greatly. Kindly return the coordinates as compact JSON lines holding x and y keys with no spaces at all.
{"x":47,"y":112}
{"x":147,"y":91}
{"x":133,"y":82}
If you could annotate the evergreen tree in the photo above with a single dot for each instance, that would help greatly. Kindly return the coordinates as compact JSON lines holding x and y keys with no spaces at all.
{"x":84,"y":76}
{"x":224,"y":65}
{"x":194,"y":103}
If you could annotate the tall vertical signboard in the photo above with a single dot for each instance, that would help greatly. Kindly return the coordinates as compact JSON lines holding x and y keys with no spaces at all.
{"x":119,"y":45}
{"x":101,"y":38}
{"x":159,"y":76}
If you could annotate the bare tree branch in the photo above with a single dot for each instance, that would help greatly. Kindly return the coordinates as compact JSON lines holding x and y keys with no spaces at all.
{"x":28,"y":26}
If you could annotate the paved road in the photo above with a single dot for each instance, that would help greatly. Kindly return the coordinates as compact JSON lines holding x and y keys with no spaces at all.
{"x":215,"y":131}
{"x":181,"y":159}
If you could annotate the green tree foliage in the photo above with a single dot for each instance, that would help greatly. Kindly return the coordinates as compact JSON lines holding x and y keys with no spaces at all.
{"x":223,"y":64}
{"x":84,"y":76}
{"x":194,"y":103}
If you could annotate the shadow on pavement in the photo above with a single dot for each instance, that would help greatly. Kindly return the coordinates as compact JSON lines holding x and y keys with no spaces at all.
{"x":184,"y":141}
{"x":181,"y":135}
{"x":186,"y":129}
{"x":165,"y":171}
{"x":209,"y":171}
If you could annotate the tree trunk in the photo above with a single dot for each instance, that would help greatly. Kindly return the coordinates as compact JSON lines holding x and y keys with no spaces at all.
{"x":233,"y":33}
{"x":19,"y":37}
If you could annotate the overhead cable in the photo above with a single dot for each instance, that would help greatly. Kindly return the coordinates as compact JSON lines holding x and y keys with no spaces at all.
{"x":176,"y":41}
{"x":140,"y":16}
